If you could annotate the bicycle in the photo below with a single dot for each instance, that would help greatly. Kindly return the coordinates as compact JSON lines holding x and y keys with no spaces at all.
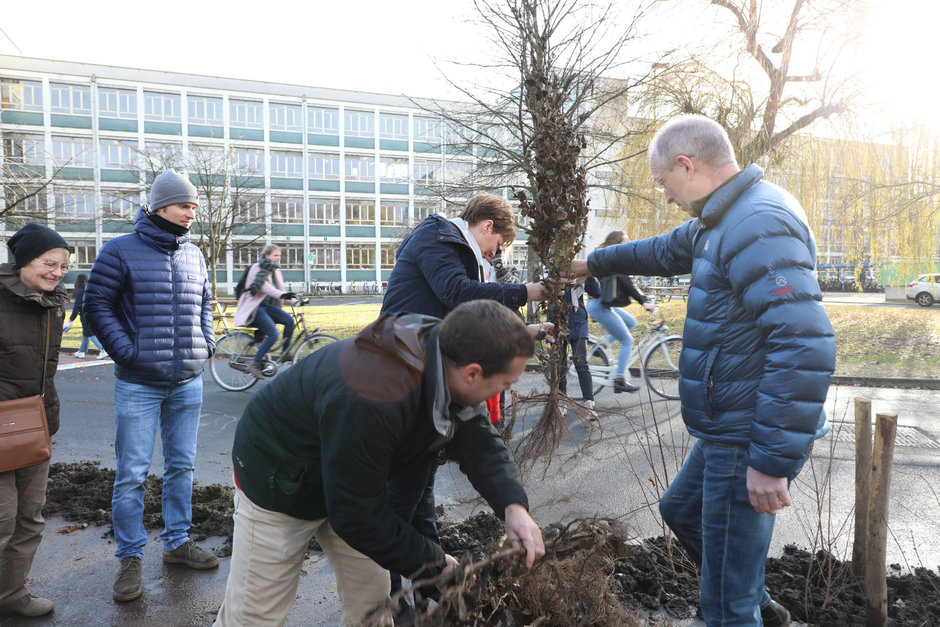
{"x":659,"y":365}
{"x":237,"y":346}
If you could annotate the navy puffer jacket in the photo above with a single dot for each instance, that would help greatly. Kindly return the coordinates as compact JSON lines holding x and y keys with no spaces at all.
{"x":149,"y":302}
{"x":436,"y":270}
{"x":758,"y":348}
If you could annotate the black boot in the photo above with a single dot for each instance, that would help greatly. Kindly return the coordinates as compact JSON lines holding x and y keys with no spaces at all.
{"x":621,"y":385}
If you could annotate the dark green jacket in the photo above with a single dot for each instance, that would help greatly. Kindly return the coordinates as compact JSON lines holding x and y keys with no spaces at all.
{"x":323,"y":438}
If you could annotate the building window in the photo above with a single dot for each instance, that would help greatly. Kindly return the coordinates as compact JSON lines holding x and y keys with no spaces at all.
{"x":248,"y":208}
{"x":427,"y":171}
{"x":324,"y":211}
{"x":458,"y":172}
{"x":324,"y":166}
{"x":72,"y":204}
{"x":323,"y":120}
{"x":29,"y":202}
{"x":393,"y":126}
{"x":286,"y":117}
{"x":388,"y":256}
{"x":72,"y":99}
{"x":248,"y":161}
{"x":360,"y":211}
{"x":244,"y":255}
{"x":72,"y":151}
{"x":292,"y":257}
{"x":287,"y":209}
{"x":119,"y":203}
{"x":118,"y":154}
{"x":360,"y":256}
{"x":20,"y":95}
{"x":84,"y":253}
{"x":424,"y":209}
{"x":393,"y":213}
{"x":208,"y":157}
{"x":161,"y":107}
{"x":160,"y":156}
{"x":325,"y":256}
{"x":23,"y":148}
{"x":287,"y":164}
{"x":393,"y":170}
{"x":205,"y":110}
{"x":359,"y":168}
{"x":427,"y":129}
{"x":117,"y":103}
{"x":246,"y":113}
{"x":359,"y":123}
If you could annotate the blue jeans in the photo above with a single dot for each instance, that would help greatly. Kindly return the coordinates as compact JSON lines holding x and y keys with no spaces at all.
{"x":266,"y":319}
{"x":410,"y":494}
{"x":84,"y":345}
{"x":708,"y":509}
{"x":579,"y":357}
{"x":618,"y":323}
{"x":139,"y":411}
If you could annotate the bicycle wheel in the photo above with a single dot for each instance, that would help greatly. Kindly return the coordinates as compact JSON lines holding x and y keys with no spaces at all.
{"x":312,"y":344}
{"x":661,"y":367}
{"x":229,"y":365}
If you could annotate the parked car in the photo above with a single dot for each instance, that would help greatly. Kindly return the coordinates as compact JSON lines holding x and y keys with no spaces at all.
{"x":924,"y":290}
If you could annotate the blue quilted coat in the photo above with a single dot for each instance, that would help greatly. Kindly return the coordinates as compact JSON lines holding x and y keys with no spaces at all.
{"x":758,"y":348}
{"x":149,"y":302}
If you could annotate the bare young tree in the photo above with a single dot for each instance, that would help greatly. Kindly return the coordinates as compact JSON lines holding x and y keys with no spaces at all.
{"x":535,"y":138}
{"x":24,"y":179}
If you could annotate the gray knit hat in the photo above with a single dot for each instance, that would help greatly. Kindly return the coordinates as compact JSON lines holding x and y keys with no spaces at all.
{"x":172,"y":188}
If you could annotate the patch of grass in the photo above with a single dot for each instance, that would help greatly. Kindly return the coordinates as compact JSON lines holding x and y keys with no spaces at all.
{"x":870,"y":341}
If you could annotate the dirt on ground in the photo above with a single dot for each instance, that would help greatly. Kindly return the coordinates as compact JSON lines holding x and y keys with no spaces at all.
{"x":589,"y":563}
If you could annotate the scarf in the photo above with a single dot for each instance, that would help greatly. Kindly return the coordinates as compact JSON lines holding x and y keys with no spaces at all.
{"x":485,"y":269}
{"x":267,"y":266}
{"x":165,"y":225}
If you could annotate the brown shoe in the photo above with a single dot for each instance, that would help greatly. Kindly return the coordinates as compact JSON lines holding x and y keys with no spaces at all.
{"x":128,"y":584}
{"x":191,"y":555}
{"x":254,"y":369}
{"x":28,"y":605}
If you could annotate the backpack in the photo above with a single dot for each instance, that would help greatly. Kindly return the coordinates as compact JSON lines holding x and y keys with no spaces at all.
{"x":240,"y":286}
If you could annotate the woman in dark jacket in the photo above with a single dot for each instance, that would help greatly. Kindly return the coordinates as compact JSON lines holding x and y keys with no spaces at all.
{"x":32,"y":305}
{"x":615,"y":320}
{"x":87,"y":333}
{"x":577,"y":340}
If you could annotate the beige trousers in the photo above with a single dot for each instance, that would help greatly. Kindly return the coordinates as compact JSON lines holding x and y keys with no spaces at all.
{"x":268,"y":550}
{"x":22,"y":495}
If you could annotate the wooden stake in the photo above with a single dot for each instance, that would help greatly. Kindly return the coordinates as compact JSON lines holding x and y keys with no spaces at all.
{"x":862,"y":484}
{"x":876,"y":585}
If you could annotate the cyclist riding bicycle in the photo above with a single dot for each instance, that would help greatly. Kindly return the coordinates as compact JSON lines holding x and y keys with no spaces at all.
{"x":260,"y":305}
{"x":616,"y":291}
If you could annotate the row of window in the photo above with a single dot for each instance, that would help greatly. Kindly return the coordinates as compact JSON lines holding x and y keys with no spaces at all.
{"x":113,"y":102}
{"x":123,"y":154}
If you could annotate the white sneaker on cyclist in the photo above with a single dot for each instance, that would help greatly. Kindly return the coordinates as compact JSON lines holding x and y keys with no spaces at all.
{"x":102,"y":355}
{"x":80,"y":355}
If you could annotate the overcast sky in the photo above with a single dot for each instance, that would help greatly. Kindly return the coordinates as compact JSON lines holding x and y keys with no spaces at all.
{"x":394,"y":47}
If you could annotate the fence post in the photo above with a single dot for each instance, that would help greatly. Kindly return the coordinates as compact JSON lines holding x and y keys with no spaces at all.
{"x":862,"y":485}
{"x":876,"y":585}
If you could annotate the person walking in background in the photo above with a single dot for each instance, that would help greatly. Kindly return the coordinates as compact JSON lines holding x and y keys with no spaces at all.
{"x":260,"y":306}
{"x":577,"y":340}
{"x":314,"y":449}
{"x":758,"y":353}
{"x":32,"y":308}
{"x":616,"y":291}
{"x":87,"y":335}
{"x":148,"y":301}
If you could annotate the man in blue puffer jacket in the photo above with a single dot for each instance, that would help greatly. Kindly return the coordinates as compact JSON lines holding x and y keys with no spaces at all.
{"x":149,"y":302}
{"x":758,"y":356}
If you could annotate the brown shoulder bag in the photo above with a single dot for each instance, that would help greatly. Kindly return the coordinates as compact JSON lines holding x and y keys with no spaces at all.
{"x":24,"y":432}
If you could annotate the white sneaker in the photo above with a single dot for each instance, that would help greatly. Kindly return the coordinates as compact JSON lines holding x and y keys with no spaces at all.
{"x":592,"y":413}
{"x":101,"y":355}
{"x":80,"y":355}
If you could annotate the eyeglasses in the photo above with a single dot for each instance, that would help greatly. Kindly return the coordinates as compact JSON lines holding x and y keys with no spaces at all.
{"x":52,"y":264}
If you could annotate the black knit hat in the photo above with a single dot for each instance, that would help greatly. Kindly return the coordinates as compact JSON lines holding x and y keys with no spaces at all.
{"x":33,"y":240}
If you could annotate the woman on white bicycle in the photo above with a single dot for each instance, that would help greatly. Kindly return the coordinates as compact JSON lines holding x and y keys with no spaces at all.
{"x":616,"y":291}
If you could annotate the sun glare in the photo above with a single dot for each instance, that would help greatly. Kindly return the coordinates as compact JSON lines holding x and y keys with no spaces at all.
{"x":901,"y":38}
